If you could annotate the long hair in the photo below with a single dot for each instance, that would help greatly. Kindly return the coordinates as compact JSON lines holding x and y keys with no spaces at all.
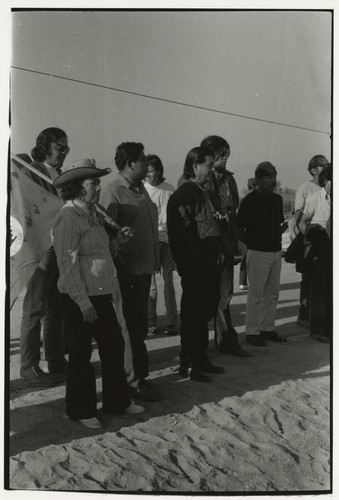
{"x":194,"y":156}
{"x":44,"y":141}
{"x":156,"y":163}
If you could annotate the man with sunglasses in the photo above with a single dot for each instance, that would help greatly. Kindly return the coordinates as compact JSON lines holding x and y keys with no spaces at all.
{"x":223,"y":192}
{"x":315,"y":166}
{"x":42,"y":300}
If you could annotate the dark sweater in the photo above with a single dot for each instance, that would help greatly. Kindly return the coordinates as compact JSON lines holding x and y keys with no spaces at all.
{"x":260,"y":216}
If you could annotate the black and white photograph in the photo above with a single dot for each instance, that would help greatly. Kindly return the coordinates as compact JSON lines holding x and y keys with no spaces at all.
{"x":169,"y":252}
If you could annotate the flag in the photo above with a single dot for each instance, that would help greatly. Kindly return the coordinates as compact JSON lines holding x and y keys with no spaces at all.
{"x":33,"y":210}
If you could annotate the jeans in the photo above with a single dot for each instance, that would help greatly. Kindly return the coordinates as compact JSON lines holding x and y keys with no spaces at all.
{"x":81,"y":386}
{"x":199,"y":301}
{"x":243,"y":271}
{"x":167,"y":267}
{"x":135,"y":293}
{"x":304,"y":297}
{"x":42,"y":300}
{"x":264,"y":270}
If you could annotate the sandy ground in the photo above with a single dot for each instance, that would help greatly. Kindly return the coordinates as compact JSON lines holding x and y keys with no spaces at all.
{"x":263,"y":426}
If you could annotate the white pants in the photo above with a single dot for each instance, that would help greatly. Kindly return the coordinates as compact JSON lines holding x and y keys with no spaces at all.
{"x":263,"y":269}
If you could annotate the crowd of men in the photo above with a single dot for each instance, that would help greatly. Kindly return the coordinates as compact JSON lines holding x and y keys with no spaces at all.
{"x":194,"y":229}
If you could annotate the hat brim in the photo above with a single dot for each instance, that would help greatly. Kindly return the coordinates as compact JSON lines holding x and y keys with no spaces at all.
{"x":79,"y":173}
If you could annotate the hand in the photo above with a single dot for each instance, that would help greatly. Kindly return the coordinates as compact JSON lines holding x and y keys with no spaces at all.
{"x":89,"y":315}
{"x":124,"y":235}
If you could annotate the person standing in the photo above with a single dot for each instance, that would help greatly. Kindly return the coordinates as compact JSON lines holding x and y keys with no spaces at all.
{"x":315,"y":166}
{"x":223,"y":192}
{"x":194,"y":238}
{"x":261,"y":224}
{"x":315,"y":224}
{"x":41,"y":305}
{"x":128,"y":203}
{"x":159,"y":192}
{"x":82,"y":247}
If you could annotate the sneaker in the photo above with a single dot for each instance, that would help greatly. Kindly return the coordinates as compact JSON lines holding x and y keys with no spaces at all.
{"x":199,"y":376}
{"x":243,"y":287}
{"x":134,"y":409}
{"x":36,"y":376}
{"x":210,"y":368}
{"x":152,"y":330}
{"x":255,"y":340}
{"x":170,"y":330}
{"x":91,"y":423}
{"x":273,"y":336}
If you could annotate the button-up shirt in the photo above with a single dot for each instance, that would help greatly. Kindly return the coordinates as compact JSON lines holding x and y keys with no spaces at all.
{"x":84,"y":260}
{"x":130,"y":205}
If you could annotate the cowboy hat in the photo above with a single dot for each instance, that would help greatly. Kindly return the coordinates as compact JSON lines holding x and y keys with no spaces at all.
{"x":81,"y":169}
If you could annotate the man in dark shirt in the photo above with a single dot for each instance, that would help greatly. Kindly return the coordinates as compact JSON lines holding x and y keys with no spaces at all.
{"x":261,"y":223}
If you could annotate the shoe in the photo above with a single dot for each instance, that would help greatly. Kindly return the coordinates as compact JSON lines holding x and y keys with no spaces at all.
{"x":91,"y":423}
{"x":134,"y":409}
{"x":234,"y":350}
{"x":303,"y":323}
{"x":152,"y":330}
{"x":243,"y":287}
{"x":36,"y":376}
{"x":273,"y":336}
{"x":210,"y":368}
{"x":183,"y":371}
{"x":255,"y":340}
{"x":199,"y":376}
{"x":145,"y":393}
{"x":170,"y":331}
{"x":320,"y":337}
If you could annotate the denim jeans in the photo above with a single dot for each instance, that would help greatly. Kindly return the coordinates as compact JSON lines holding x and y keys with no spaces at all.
{"x":42,"y":301}
{"x":135,"y":293}
{"x":321,"y":297}
{"x":304,"y":297}
{"x":167,"y":268}
{"x":225,"y":334}
{"x":81,"y":386}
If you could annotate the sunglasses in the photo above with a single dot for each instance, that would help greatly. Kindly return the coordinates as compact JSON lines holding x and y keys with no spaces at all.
{"x":61,"y":148}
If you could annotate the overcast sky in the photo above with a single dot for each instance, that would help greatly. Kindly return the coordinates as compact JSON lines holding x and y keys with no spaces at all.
{"x":268,"y":65}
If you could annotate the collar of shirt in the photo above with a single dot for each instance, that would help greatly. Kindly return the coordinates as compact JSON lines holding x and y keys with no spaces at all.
{"x":53,"y":172}
{"x":135,"y":187}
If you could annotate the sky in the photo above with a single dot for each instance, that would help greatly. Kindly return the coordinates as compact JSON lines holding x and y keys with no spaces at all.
{"x":272,"y":66}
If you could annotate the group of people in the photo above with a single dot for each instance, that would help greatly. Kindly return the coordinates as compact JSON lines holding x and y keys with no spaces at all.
{"x":98,"y":278}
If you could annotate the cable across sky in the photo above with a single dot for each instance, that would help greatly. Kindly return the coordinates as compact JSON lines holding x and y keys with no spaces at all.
{"x":212,"y":110}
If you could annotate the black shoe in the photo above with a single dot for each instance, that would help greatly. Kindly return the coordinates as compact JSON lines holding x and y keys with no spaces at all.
{"x":234,"y":350}
{"x":303,"y":323}
{"x":210,"y":368}
{"x":145,"y":392}
{"x":35,"y":376}
{"x":199,"y":376}
{"x":183,"y":371}
{"x":320,"y":337}
{"x":273,"y":336}
{"x":255,"y":340}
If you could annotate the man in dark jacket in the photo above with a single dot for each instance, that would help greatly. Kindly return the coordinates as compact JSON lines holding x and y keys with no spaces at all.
{"x":194,"y":238}
{"x":224,"y":195}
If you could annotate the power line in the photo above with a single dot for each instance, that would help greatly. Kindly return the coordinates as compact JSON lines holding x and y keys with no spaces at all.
{"x":169,"y":100}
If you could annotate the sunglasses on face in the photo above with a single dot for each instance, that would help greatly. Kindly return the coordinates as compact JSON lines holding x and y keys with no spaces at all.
{"x":61,"y":148}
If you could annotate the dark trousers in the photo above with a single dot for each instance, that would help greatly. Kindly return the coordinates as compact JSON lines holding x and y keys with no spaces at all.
{"x":42,"y":300}
{"x":321,"y":299}
{"x":304,"y":297}
{"x":81,"y":386}
{"x":243,"y":271}
{"x":199,"y":301}
{"x":135,"y":293}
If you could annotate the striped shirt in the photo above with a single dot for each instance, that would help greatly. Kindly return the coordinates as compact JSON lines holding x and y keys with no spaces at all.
{"x":84,"y":259}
